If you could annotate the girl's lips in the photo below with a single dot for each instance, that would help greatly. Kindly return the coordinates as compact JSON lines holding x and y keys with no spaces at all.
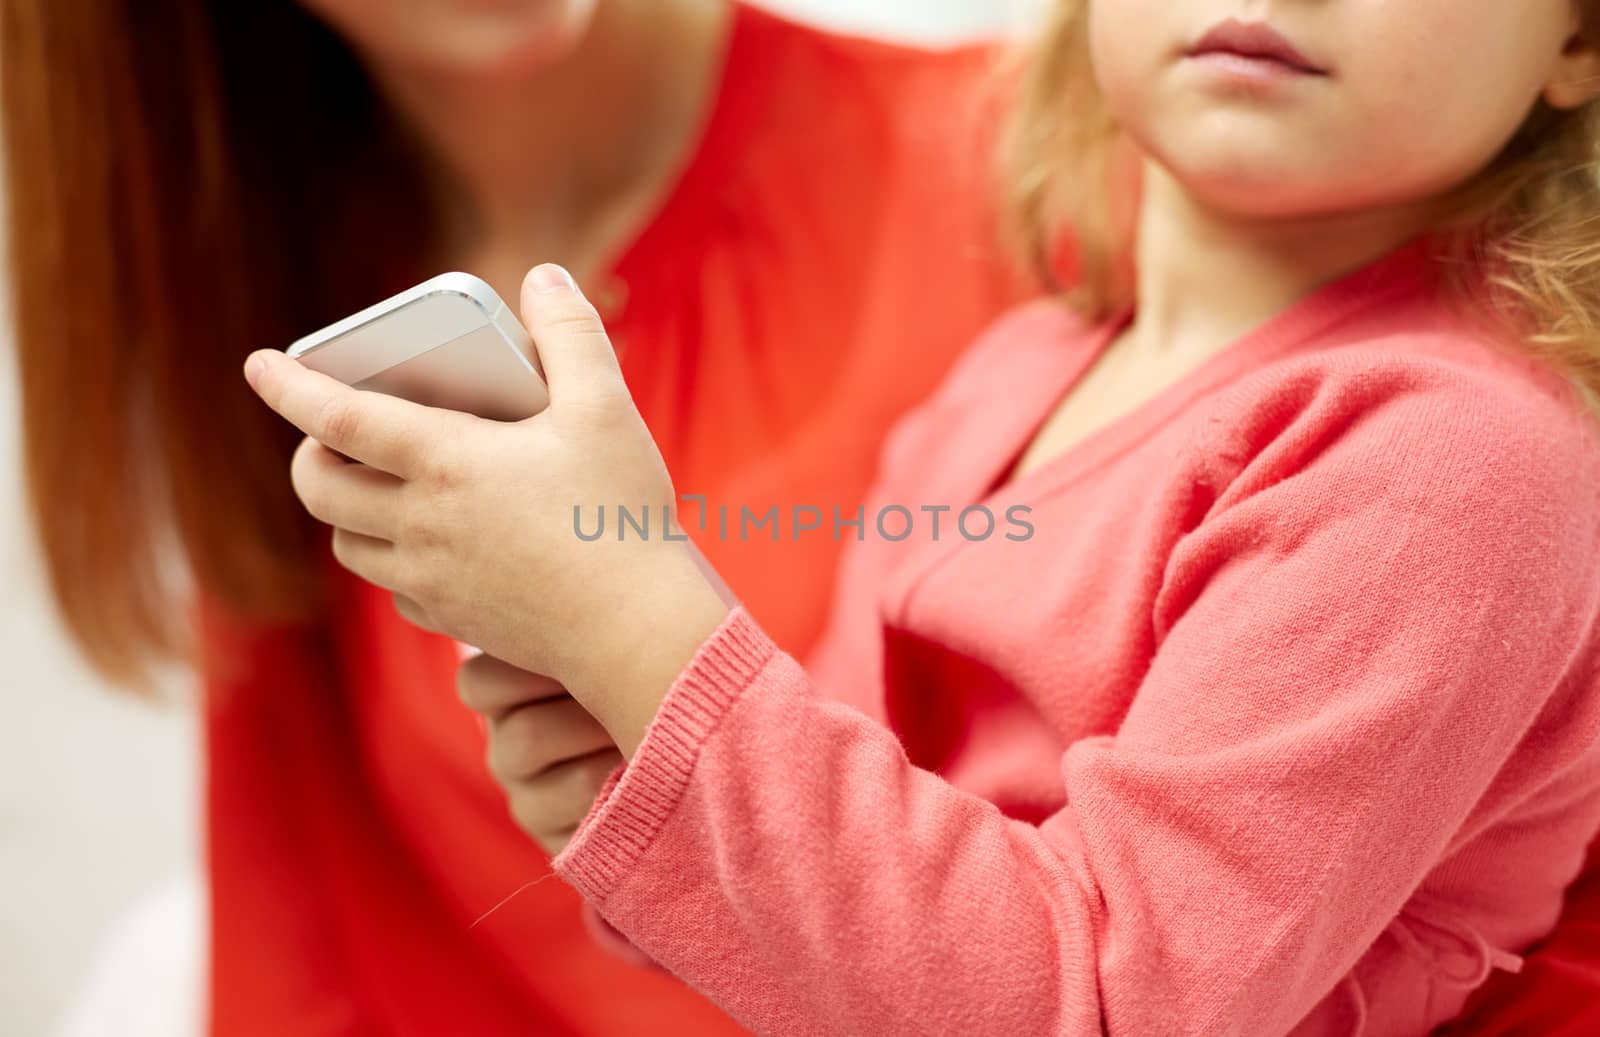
{"x":1253,"y":48}
{"x":1243,"y":71}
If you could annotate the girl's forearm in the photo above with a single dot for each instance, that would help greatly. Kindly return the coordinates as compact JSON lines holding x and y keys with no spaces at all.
{"x":781,"y":854}
{"x":622,"y":674}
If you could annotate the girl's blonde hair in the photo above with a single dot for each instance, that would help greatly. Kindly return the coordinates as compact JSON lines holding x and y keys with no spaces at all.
{"x":1532,"y":218}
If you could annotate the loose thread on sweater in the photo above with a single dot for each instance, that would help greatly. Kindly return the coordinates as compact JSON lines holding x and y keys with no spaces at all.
{"x":509,"y":898}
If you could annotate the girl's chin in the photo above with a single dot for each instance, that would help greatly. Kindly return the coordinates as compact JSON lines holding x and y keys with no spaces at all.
{"x":1259,"y":193}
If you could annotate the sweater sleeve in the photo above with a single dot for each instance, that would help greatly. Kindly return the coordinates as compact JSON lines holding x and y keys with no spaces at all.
{"x":1351,"y":646}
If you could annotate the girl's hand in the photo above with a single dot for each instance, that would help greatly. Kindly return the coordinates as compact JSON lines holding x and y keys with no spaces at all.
{"x":473,"y":523}
{"x":545,"y":750}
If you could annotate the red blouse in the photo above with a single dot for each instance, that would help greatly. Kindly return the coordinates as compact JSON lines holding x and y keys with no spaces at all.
{"x":825,"y":255}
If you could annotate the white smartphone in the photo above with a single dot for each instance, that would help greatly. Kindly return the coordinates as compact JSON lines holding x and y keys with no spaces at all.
{"x":449,"y":342}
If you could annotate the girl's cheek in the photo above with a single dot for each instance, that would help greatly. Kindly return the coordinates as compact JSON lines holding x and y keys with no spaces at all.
{"x":1125,"y":58}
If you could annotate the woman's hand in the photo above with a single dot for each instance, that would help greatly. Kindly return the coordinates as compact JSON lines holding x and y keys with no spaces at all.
{"x":545,"y":750}
{"x":473,"y":524}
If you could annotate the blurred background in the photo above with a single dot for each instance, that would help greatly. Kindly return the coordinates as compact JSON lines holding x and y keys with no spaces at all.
{"x":99,"y":795}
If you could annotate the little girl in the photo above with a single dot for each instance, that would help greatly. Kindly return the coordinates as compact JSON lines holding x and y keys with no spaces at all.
{"x":1282,"y":717}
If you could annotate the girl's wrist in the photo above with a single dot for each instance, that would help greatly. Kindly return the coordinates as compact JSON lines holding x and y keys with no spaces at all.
{"x":671,"y":610}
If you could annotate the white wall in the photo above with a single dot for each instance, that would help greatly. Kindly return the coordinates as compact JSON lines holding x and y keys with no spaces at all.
{"x":98,"y":795}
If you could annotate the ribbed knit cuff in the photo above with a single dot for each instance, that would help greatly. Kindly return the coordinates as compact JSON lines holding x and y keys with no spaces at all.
{"x":636,"y":802}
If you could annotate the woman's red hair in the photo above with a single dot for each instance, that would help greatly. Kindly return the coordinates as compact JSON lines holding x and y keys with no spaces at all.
{"x":188,"y":180}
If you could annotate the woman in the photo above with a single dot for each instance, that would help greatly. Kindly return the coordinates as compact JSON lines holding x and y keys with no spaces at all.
{"x":788,"y":231}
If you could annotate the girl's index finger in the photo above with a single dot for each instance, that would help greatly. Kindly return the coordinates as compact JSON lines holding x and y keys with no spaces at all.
{"x":376,"y":429}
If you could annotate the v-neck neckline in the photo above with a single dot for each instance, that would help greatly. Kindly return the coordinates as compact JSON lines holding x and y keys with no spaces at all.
{"x":1401,"y":270}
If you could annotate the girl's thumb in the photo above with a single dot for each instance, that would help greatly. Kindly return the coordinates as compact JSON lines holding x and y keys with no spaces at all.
{"x":567,"y":331}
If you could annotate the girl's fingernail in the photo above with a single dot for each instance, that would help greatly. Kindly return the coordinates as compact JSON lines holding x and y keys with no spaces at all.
{"x":549,"y":278}
{"x":253,"y":368}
